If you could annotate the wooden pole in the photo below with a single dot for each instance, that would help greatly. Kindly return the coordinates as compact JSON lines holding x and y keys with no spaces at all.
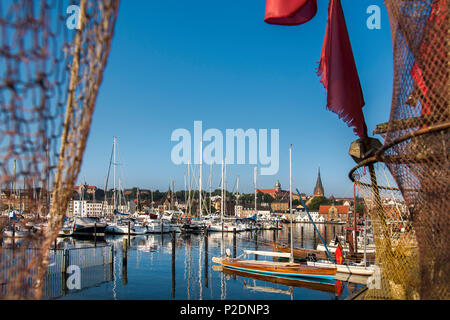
{"x":124,"y":262}
{"x":206,"y":258}
{"x":256,"y":245}
{"x":173,"y":263}
{"x":234,"y":243}
{"x":302,"y":237}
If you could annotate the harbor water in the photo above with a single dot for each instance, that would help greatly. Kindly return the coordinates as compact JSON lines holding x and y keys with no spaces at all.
{"x":158,"y":267}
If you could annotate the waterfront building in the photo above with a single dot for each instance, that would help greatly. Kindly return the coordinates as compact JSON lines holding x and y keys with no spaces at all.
{"x":334,"y":213}
{"x":86,"y":208}
{"x":278,"y":193}
{"x":280,"y":206}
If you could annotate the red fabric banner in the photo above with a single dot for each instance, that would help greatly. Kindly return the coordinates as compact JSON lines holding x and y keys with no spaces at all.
{"x":338,"y":72}
{"x":290,"y":12}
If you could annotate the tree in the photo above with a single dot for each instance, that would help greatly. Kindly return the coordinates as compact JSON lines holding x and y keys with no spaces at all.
{"x":316,"y":202}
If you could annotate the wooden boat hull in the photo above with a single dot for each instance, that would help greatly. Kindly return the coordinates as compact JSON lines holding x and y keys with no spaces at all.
{"x":278,"y":268}
{"x":312,"y":284}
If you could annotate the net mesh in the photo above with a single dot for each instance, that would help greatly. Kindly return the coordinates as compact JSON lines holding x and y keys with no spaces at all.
{"x":415,"y":262}
{"x":52,"y":57}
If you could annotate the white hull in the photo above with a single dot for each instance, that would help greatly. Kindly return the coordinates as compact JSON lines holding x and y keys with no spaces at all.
{"x":332,"y":248}
{"x":225,"y":228}
{"x":349,"y":269}
{"x":155,"y":227}
{"x":123,"y":229}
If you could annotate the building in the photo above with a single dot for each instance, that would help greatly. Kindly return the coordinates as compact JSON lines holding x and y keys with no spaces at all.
{"x":280,"y":206}
{"x":318,"y":190}
{"x":334,"y":213}
{"x":278,"y":193}
{"x":85,"y":208}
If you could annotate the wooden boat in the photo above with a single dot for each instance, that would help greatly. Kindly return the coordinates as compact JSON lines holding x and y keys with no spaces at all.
{"x":272,"y":268}
{"x":311,"y":284}
{"x":275,"y":268}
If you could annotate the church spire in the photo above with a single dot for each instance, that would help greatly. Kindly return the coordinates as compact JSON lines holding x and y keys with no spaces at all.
{"x":318,"y":190}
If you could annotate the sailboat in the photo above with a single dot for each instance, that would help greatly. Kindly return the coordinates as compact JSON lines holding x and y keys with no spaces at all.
{"x":274,"y":268}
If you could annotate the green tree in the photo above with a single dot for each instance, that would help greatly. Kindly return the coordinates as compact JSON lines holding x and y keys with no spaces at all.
{"x":316,"y":202}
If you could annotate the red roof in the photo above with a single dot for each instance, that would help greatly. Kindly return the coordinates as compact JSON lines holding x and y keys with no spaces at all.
{"x":341,"y":209}
{"x":266,"y":191}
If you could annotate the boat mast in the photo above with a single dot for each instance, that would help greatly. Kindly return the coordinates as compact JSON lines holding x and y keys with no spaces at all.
{"x":291,"y":259}
{"x":114,"y":176}
{"x":225,"y":188}
{"x":221,"y":205}
{"x":200,"y":179}
{"x":237,"y":193}
{"x":255,"y":174}
{"x":210,"y":187}
{"x":189,"y":185}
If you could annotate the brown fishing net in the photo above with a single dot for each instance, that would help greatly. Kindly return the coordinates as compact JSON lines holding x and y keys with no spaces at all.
{"x":51,"y":68}
{"x":416,"y":153}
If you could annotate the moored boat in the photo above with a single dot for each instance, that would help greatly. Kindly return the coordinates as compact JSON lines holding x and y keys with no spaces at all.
{"x":359,"y":270}
{"x":285,"y":269}
{"x":88,"y":227}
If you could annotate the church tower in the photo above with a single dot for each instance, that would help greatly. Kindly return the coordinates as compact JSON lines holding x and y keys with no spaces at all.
{"x":318,"y":190}
{"x":277,"y":186}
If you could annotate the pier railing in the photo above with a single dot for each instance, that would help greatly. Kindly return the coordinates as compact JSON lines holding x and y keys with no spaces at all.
{"x":69,"y":269}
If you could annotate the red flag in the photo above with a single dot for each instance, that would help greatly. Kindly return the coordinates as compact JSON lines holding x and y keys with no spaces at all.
{"x":290,"y":12}
{"x":338,"y":72}
{"x":338,"y":255}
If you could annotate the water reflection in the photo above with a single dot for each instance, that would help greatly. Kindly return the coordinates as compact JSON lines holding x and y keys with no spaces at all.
{"x":167,"y":266}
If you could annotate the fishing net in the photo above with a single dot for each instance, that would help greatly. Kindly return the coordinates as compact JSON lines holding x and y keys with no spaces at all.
{"x":415,"y":152}
{"x":52,"y":57}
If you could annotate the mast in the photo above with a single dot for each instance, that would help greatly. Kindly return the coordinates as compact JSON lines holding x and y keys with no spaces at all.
{"x":189,"y":184}
{"x":120,"y":198}
{"x":225,"y":188}
{"x":200,"y":179}
{"x":255,"y":174}
{"x":221,"y":205}
{"x":114,"y":175}
{"x":237,"y":193}
{"x":210,"y":186}
{"x":291,"y":259}
{"x":185,"y":194}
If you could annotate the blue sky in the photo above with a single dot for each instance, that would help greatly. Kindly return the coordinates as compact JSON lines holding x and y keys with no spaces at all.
{"x":174,"y":62}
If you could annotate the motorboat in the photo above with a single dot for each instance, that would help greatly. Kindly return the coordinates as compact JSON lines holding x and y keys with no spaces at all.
{"x":85,"y":226}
